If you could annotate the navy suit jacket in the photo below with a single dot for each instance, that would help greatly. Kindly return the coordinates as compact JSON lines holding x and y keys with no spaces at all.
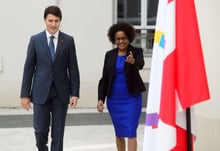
{"x":133,"y":78}
{"x":40,"y":72}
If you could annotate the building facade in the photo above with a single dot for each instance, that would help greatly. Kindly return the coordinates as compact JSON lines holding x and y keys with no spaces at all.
{"x":88,"y":21}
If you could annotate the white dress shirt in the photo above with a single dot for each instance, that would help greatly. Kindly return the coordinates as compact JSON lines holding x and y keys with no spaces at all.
{"x":55,"y":39}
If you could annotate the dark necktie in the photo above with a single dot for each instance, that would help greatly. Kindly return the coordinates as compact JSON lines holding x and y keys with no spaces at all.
{"x":52,"y":48}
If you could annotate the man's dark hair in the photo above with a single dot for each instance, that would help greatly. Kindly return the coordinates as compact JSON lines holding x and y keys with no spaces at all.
{"x":54,"y":10}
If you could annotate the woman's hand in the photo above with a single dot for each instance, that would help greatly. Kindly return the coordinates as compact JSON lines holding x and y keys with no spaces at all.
{"x":100,"y":106}
{"x":130,"y":58}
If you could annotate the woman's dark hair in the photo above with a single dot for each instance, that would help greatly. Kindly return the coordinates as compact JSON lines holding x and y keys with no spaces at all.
{"x":54,"y":10}
{"x":127,"y":28}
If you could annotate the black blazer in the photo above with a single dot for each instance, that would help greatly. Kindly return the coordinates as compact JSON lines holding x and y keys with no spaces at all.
{"x":133,"y":78}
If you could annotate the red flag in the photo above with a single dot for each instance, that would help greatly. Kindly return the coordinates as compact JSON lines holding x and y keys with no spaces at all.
{"x":183,"y":81}
{"x":192,"y":84}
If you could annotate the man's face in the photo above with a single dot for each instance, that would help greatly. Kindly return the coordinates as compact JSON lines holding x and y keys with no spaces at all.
{"x":52,"y":23}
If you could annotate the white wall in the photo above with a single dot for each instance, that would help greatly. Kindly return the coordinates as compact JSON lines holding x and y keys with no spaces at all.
{"x":19,"y":19}
{"x":209,"y":29}
{"x":87,"y":21}
{"x":208,"y":113}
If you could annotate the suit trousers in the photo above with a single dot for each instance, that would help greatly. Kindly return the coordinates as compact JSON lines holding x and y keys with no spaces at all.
{"x":53,"y":113}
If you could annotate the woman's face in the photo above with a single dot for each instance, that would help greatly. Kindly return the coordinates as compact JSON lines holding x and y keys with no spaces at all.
{"x":121,"y":40}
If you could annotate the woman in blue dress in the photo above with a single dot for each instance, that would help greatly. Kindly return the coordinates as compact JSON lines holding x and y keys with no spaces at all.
{"x":121,"y":85}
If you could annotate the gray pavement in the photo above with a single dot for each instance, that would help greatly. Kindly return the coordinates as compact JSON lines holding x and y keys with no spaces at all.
{"x":86,"y":130}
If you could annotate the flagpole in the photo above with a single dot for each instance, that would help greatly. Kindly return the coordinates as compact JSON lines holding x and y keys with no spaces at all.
{"x":188,"y":128}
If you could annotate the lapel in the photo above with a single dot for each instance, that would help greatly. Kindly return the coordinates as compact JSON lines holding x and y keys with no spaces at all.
{"x":44,"y":44}
{"x":115,"y":54}
{"x":127,"y":66}
{"x":59,"y":44}
{"x":113,"y":59}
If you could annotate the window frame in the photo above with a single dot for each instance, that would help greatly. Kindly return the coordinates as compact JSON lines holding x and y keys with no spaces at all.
{"x":143,"y":28}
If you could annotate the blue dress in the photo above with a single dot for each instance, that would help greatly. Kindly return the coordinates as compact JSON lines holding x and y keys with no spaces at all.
{"x":124,"y":108}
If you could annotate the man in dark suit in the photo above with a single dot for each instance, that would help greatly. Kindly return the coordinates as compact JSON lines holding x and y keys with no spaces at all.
{"x":50,"y":80}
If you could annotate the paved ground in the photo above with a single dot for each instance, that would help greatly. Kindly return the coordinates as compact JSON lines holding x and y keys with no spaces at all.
{"x":86,"y":130}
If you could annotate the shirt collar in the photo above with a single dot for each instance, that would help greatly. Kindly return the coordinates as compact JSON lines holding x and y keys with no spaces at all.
{"x":55,"y":35}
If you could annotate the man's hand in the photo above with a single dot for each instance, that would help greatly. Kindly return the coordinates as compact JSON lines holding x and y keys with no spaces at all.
{"x":25,"y":103}
{"x":73,"y":101}
{"x":100,"y":106}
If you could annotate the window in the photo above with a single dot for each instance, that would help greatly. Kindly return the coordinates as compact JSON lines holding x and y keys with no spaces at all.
{"x":129,"y":11}
{"x":142,"y":14}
